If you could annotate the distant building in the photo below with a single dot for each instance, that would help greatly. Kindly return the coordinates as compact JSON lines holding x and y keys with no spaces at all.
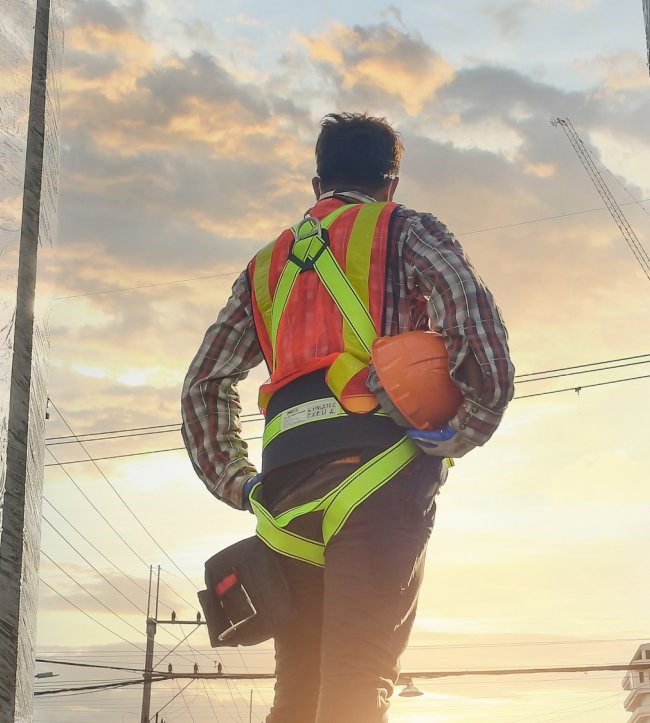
{"x":638,"y":683}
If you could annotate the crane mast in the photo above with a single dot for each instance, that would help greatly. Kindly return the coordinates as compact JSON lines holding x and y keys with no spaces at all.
{"x":623,"y":224}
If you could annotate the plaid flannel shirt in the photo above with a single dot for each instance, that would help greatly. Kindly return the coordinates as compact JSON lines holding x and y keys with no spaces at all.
{"x":430,"y":284}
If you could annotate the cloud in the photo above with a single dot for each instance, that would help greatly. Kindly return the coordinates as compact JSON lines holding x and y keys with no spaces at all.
{"x":174,"y":167}
{"x":617,"y":72}
{"x":509,"y":18}
{"x":380,"y":59}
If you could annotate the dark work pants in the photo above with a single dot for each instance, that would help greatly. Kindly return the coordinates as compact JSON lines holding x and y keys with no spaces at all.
{"x":338,"y":660}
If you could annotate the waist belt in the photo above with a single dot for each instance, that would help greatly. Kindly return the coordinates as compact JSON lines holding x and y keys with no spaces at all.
{"x":317,"y":410}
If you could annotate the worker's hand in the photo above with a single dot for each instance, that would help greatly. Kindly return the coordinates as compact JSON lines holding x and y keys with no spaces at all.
{"x":246,"y":492}
{"x":445,"y":442}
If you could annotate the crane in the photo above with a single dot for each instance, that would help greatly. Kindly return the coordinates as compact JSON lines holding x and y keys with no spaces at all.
{"x":640,"y":254}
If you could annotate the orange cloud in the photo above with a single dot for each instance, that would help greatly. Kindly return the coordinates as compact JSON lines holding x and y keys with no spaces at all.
{"x":131,"y":56}
{"x":383,"y":58}
{"x":541,"y":170}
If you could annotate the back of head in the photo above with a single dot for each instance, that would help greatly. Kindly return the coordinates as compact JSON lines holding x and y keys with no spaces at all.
{"x":355,"y":150}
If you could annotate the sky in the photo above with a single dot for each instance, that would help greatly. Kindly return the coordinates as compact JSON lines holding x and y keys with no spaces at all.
{"x":187,"y":144}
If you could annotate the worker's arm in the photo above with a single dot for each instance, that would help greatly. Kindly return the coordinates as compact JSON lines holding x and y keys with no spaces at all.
{"x":462,"y":309}
{"x":210,"y":401}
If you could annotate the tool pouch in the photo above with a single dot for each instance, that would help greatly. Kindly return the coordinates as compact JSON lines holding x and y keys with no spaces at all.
{"x":247,"y":600}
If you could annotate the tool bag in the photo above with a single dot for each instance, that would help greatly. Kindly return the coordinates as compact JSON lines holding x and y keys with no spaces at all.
{"x":247,"y":600}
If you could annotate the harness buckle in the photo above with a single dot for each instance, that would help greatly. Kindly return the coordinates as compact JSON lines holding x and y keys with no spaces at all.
{"x":313,"y":231}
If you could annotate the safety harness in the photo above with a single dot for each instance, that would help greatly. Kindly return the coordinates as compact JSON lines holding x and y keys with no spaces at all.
{"x":310,"y":251}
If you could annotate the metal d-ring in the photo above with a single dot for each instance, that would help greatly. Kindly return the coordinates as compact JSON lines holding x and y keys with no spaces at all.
{"x":315,"y":231}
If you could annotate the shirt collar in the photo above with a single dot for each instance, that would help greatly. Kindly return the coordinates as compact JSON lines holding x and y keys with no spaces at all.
{"x":357,"y":196}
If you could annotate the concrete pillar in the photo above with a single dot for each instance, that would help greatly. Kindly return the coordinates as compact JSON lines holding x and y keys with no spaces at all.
{"x":31,"y":48}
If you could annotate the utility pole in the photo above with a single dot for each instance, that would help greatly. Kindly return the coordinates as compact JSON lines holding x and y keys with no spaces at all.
{"x":148,"y":661}
{"x":148,"y":668}
{"x":152,"y":623}
{"x":29,"y":37}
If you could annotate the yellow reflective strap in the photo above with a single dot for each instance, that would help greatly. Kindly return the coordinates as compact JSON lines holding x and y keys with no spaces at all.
{"x":315,"y":410}
{"x":286,"y":281}
{"x":280,"y":299}
{"x":342,"y":369}
{"x":362,"y":483}
{"x":331,"y":217}
{"x":302,"y":249}
{"x":357,"y":263}
{"x":355,"y":315}
{"x":283,"y":541}
{"x":261,"y":284}
{"x":262,"y":272}
{"x":357,"y":272}
{"x":338,"y":505}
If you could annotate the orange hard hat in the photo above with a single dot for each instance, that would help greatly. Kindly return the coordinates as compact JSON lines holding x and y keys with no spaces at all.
{"x":413,"y":369}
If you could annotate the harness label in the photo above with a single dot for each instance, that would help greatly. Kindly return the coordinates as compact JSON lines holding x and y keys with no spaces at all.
{"x":310,"y":412}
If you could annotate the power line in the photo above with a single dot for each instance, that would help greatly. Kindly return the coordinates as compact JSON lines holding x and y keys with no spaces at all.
{"x":148,"y":286}
{"x":584,"y":386}
{"x":110,"y":525}
{"x":89,"y":688}
{"x":92,"y":595}
{"x":584,"y":371}
{"x":130,"y":432}
{"x":98,"y":551}
{"x":155,"y":665}
{"x":549,"y":218}
{"x":135,"y":517}
{"x":233,"y":273}
{"x":576,"y":389}
{"x":71,"y":663}
{"x":580,"y":366}
{"x":180,"y":692}
{"x":110,"y":610}
{"x":242,"y":417}
{"x":88,"y":615}
{"x":90,"y":502}
{"x":85,"y":559}
{"x":169,"y":651}
{"x":417,"y":674}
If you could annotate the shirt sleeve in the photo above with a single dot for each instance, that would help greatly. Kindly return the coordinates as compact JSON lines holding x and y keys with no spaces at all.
{"x":210,"y":405}
{"x":462,"y":309}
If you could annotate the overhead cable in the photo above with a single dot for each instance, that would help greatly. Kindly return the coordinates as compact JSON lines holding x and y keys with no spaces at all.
{"x":132,"y":513}
{"x":416,"y":674}
{"x":129,"y":432}
{"x":110,"y":525}
{"x":98,"y":551}
{"x":88,"y":615}
{"x":576,"y":389}
{"x":233,"y":273}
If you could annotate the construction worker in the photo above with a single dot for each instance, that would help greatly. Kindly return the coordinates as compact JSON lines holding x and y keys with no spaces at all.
{"x":354,"y":577}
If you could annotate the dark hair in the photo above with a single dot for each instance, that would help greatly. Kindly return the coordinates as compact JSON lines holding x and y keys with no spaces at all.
{"x":355,"y":149}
